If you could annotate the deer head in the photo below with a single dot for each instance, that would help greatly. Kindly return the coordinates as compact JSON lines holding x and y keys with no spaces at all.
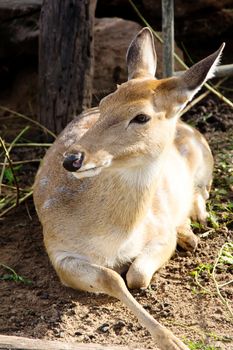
{"x":138,"y":121}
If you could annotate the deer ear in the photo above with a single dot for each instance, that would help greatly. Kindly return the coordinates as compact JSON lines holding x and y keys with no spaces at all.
{"x":193,"y":79}
{"x":141,"y":56}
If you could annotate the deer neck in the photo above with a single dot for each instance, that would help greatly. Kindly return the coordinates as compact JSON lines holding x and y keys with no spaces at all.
{"x":132,"y":192}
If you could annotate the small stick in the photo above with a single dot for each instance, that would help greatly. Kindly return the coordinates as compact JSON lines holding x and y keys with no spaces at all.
{"x":224,"y":301}
{"x":23,"y":161}
{"x":21,"y":200}
{"x":8,"y":199}
{"x":31,"y":144}
{"x":225,"y":284}
{"x":8,"y":151}
{"x":12,"y":170}
{"x":28,"y":119}
{"x":14,"y":188}
{"x":200,"y":97}
{"x":221,"y":96}
{"x":28,"y":212}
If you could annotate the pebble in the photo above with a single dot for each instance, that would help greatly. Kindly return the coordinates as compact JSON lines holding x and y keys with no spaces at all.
{"x":104,"y":327}
{"x":78,"y":333}
{"x":119,"y":325}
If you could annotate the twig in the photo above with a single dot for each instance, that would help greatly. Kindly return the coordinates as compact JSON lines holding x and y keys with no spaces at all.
{"x":226,"y":88}
{"x":224,"y":301}
{"x":217,"y":93}
{"x":8,"y":199}
{"x":31,"y":144}
{"x":187,"y":53}
{"x":200,"y":97}
{"x":14,"y":188}
{"x":9,"y":268}
{"x":28,"y":212}
{"x":200,"y":285}
{"x":216,"y":284}
{"x":226,"y":100}
{"x":12,"y":170}
{"x":28,"y":119}
{"x":8,"y":152}
{"x":225,"y":284}
{"x":23,"y":161}
{"x":21,"y":200}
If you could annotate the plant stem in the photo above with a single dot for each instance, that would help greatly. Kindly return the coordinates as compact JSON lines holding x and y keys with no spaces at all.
{"x":21,"y":200}
{"x":28,"y":119}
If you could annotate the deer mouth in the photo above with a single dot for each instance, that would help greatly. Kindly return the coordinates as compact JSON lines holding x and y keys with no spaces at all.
{"x":90,"y":169}
{"x":90,"y":172}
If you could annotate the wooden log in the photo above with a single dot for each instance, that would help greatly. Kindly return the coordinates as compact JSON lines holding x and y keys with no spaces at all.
{"x":21,"y":343}
{"x":65,"y":61}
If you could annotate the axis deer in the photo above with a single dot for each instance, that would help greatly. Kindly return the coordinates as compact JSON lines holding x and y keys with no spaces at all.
{"x":117,"y":189}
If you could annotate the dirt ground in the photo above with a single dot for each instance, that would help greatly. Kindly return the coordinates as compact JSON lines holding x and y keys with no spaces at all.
{"x":38,"y":306}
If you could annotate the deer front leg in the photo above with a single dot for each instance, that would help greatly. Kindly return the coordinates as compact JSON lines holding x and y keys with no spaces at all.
{"x":81,"y":274}
{"x":186,"y":238}
{"x":154,"y":255}
{"x":199,"y":212}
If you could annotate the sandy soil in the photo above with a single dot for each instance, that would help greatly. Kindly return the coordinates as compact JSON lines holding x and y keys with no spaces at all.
{"x":43,"y":308}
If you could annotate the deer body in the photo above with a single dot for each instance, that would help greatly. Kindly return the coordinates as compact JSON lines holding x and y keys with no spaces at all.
{"x":94,"y":205}
{"x":135,"y":176}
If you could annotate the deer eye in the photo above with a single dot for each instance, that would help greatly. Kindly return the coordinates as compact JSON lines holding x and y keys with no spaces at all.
{"x":140,"y":119}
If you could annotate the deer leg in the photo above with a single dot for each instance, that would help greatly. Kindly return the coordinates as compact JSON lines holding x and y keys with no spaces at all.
{"x":199,"y":212}
{"x":186,"y":238}
{"x":154,"y":255}
{"x":80,"y":274}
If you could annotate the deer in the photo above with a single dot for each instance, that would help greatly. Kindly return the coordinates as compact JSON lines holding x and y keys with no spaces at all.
{"x":116,"y":191}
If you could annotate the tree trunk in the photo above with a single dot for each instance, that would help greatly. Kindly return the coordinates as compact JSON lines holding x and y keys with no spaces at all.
{"x":65,"y":60}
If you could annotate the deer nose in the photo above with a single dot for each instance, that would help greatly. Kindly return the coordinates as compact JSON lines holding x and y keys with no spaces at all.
{"x":73,"y":162}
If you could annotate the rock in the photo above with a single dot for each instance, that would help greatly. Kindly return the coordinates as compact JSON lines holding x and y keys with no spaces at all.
{"x":153,"y":8}
{"x":78,"y":333}
{"x":19,"y":48}
{"x":204,"y":27}
{"x":194,"y":19}
{"x":19,"y":54}
{"x":19,"y":89}
{"x":19,"y":27}
{"x":118,"y":326}
{"x":104,"y":328}
{"x":12,"y":8}
{"x":112,"y":38}
{"x":186,"y":8}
